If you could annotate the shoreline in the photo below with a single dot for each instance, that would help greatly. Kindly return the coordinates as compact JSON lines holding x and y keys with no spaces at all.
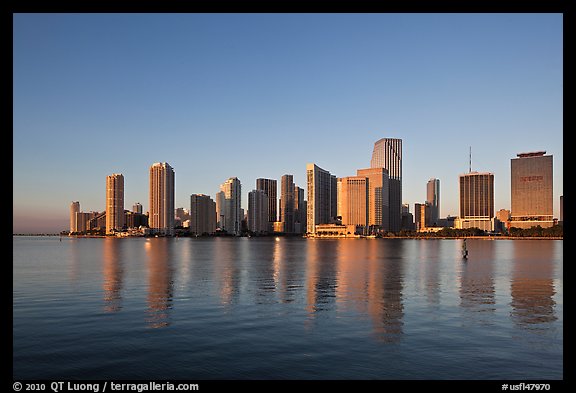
{"x":501,"y":237}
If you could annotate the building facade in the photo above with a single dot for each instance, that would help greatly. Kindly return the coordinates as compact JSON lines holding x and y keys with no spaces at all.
{"x":114,"y":203}
{"x":531,"y":190}
{"x":202,"y":215}
{"x":378,"y":198}
{"x":387,"y":154}
{"x":299,"y":210}
{"x":353,"y":201}
{"x":258,"y":214}
{"x":231,"y":210}
{"x":161,"y":199}
{"x":319,"y":197}
{"x":74,"y":208}
{"x":270,"y":187}
{"x":287,"y":203}
{"x":476,"y":201}
{"x":433,"y":200}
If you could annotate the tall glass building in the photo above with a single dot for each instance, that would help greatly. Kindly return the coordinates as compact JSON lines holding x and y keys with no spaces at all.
{"x":433,"y":199}
{"x":387,"y":154}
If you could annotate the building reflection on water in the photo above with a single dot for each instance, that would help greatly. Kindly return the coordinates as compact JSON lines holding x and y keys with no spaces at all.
{"x":358,"y":276}
{"x":385,"y":303}
{"x":477,"y":290}
{"x":227,"y":271}
{"x":371,"y":281}
{"x":430,"y":253}
{"x":532,"y":284}
{"x":160,"y":281}
{"x":321,"y":282}
{"x":113,"y":272}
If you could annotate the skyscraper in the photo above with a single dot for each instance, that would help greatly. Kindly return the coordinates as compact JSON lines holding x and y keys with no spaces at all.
{"x":114,"y":203}
{"x":319,"y":196}
{"x":202,"y":214}
{"x":353,"y":201}
{"x":531,"y":190}
{"x":299,"y":210}
{"x":333,"y":197}
{"x":378,"y":198}
{"x":477,"y":200}
{"x":270,"y":187}
{"x":433,"y":200}
{"x":258,"y":211}
{"x":421,"y":213}
{"x":74,"y":208}
{"x":287,"y":203}
{"x":137,"y":208}
{"x":387,"y":154}
{"x":161,"y":219}
{"x":220,"y":210}
{"x":231,"y":209}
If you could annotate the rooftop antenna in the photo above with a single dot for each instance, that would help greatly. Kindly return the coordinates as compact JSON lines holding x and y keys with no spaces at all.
{"x":470,"y":161}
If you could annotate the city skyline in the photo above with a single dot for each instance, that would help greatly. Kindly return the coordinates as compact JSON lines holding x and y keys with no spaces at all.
{"x":334,"y":83}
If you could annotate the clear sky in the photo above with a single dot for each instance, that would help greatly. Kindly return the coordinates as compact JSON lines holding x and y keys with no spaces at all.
{"x":261,"y":95}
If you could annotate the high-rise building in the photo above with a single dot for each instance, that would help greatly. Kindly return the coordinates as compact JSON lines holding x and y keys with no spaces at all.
{"x":421,"y":213}
{"x":378,"y":198}
{"x":387,"y":154}
{"x":270,"y":187}
{"x":333,"y":197}
{"x":74,"y":208}
{"x":503,"y":217}
{"x":231,"y":209}
{"x":353,"y":201}
{"x":319,"y":197}
{"x":137,"y":208}
{"x":531,"y":190}
{"x":287,"y":203}
{"x":258,"y":211}
{"x":433,"y":200}
{"x":299,"y":210}
{"x":220,"y":210}
{"x":161,"y":218}
{"x":114,"y":203}
{"x":202,"y":215}
{"x":476,"y":201}
{"x":407,"y":218}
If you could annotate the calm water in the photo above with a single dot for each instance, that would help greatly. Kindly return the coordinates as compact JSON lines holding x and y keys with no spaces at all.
{"x":290,"y":309}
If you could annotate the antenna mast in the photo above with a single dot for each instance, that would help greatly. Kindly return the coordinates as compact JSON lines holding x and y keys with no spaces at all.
{"x":470,"y":161}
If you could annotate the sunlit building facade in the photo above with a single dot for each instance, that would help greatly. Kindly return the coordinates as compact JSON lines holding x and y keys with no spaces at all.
{"x":74,"y":208}
{"x":230,"y":206}
{"x":353,"y":201}
{"x":319,"y":197}
{"x":378,"y":198}
{"x":114,"y":203}
{"x":387,"y":154}
{"x":476,"y":201}
{"x":531,"y":190}
{"x":161,"y":218}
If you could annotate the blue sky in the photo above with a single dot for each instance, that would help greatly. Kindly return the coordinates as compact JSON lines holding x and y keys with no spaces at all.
{"x":261,"y":95}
